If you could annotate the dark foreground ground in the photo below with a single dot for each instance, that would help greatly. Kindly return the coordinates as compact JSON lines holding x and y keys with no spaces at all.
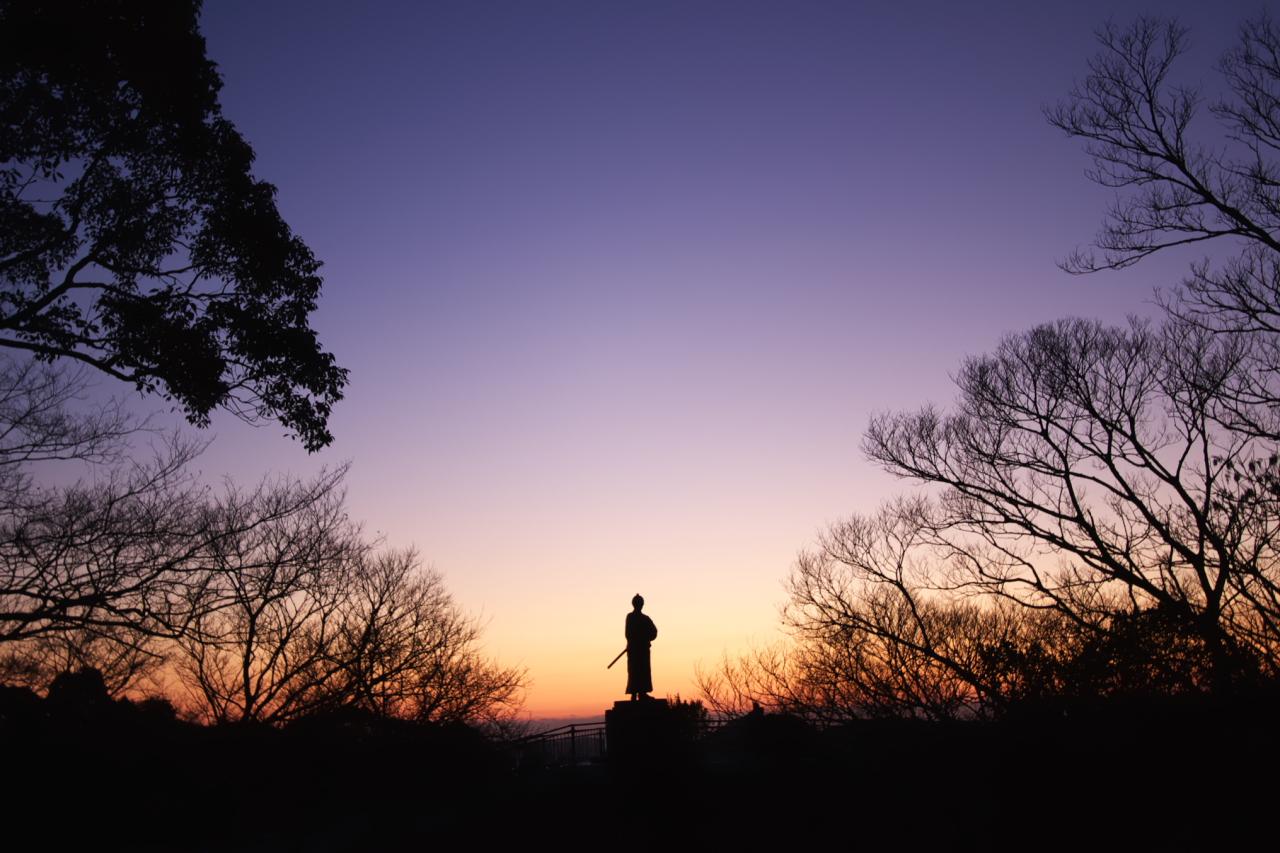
{"x":1153,"y":775}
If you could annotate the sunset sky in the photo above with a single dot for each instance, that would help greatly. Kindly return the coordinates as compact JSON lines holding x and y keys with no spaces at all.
{"x":620,"y":284}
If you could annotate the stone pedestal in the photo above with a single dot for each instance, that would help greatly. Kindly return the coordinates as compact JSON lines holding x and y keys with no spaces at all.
{"x":646,"y":732}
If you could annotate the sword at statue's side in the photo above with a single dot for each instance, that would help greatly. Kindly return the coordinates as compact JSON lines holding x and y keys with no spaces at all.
{"x":618,"y":658}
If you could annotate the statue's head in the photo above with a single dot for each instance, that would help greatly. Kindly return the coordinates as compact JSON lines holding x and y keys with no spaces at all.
{"x":637,"y":602}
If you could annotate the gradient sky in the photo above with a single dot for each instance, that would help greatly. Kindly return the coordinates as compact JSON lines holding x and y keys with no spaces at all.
{"x":620,"y":284}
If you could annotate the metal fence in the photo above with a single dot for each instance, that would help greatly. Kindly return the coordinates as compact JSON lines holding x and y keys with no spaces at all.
{"x":576,"y":744}
{"x":565,"y":746}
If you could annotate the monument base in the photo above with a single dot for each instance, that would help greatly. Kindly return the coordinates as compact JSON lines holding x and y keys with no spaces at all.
{"x":646,"y":732}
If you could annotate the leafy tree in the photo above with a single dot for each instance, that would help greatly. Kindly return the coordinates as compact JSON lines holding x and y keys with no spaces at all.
{"x":133,"y":236}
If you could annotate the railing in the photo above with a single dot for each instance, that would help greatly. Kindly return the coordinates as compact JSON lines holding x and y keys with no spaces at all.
{"x":576,"y":744}
{"x":565,"y":746}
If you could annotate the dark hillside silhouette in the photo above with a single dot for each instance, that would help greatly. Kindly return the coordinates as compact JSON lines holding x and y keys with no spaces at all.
{"x":139,"y":777}
{"x":1099,"y":773}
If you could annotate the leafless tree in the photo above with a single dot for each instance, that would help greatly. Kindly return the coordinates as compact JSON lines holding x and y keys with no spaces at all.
{"x":129,"y":661}
{"x":110,"y":553}
{"x":1177,"y":185}
{"x":266,"y":604}
{"x":266,"y":613}
{"x":300,"y":614}
{"x":79,"y":582}
{"x":760,"y":677}
{"x":1105,"y":502}
{"x":874,"y":630}
{"x":1086,"y":466}
{"x":1137,"y":125}
{"x":873,"y":625}
{"x":406,"y":650}
{"x":883,"y":621}
{"x":40,"y":423}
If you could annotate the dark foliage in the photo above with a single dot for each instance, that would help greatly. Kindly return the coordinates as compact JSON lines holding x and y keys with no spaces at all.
{"x":109,"y":773}
{"x":87,"y":771}
{"x":133,"y":236}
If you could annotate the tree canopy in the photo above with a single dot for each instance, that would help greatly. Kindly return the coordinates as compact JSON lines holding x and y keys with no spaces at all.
{"x":1139,"y":127}
{"x":1101,"y":507}
{"x":133,"y":235}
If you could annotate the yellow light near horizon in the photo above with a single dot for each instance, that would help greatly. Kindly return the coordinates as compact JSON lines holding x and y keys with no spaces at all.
{"x":567,"y":653}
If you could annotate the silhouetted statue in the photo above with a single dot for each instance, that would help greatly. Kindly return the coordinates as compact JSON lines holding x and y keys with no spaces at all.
{"x":640,"y":633}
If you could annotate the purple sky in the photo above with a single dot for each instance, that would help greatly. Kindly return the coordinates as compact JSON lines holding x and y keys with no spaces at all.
{"x":619,"y":285}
